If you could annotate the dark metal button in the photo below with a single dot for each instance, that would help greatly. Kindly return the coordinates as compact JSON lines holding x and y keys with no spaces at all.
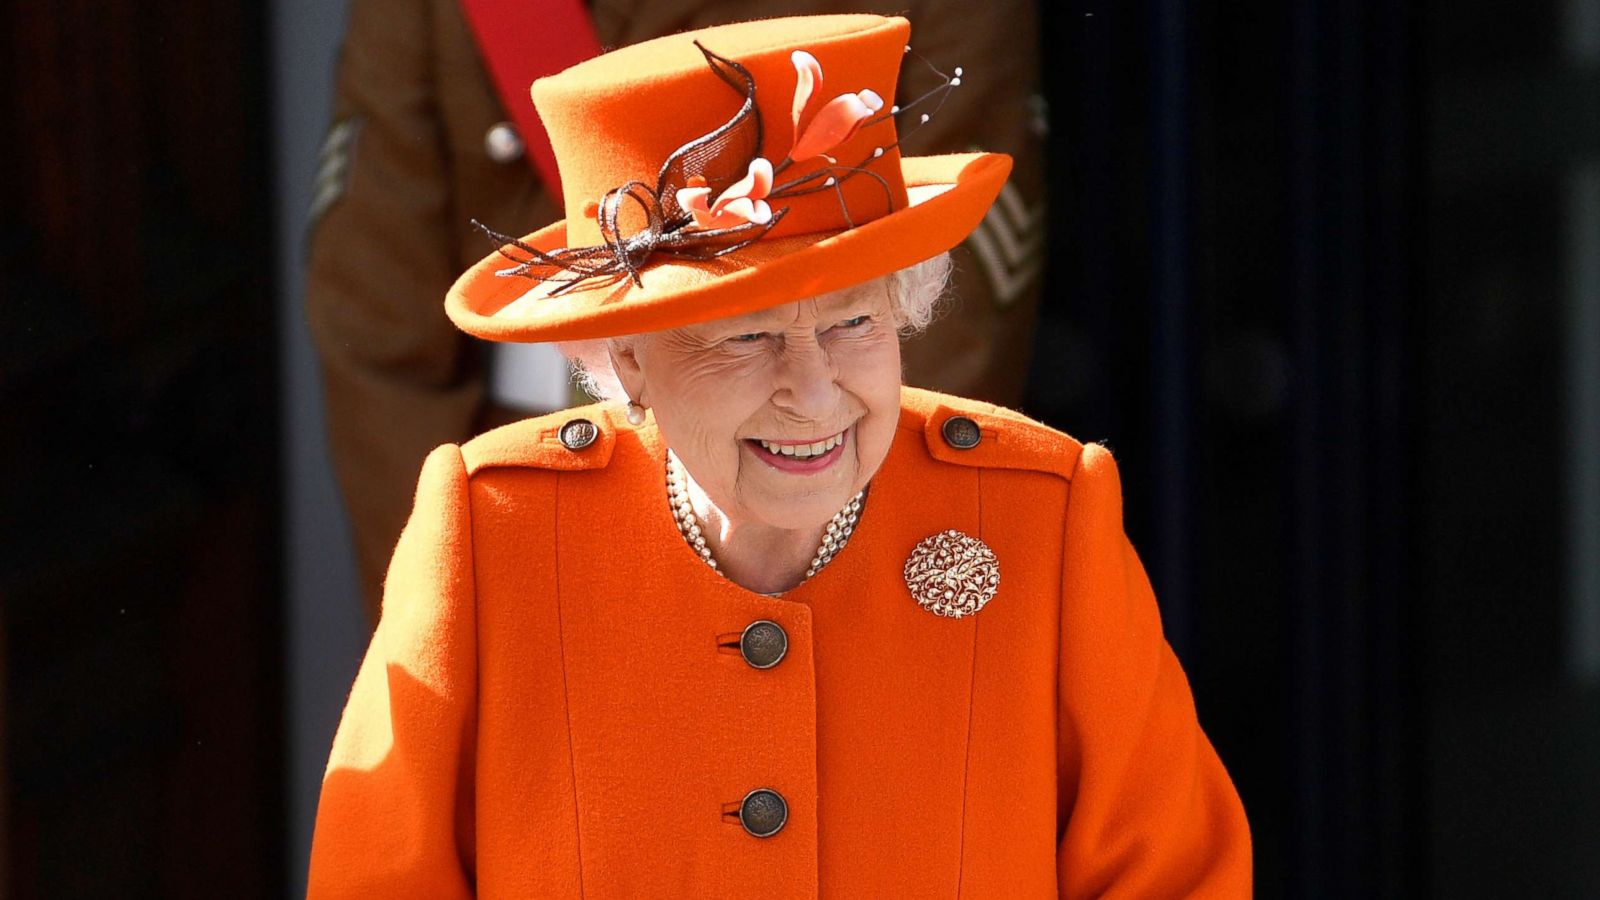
{"x":763,"y":812}
{"x":961,"y":432}
{"x":578,"y":434}
{"x":503,"y":143}
{"x":763,"y":643}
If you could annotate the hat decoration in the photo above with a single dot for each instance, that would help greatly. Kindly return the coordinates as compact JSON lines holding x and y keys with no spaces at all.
{"x":716,"y":194}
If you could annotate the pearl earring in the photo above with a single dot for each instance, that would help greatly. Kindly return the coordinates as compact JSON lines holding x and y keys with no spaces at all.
{"x":635,"y":414}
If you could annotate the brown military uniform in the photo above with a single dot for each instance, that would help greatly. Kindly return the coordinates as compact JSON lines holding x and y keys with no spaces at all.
{"x":405,"y":167}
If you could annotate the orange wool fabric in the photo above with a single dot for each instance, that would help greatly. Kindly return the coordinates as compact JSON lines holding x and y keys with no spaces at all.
{"x":550,"y":706}
{"x":617,"y":118}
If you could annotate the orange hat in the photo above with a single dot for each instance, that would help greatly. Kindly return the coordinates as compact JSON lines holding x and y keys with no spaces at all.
{"x":722,"y":171}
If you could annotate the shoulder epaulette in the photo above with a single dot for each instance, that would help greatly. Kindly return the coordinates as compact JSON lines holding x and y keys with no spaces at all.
{"x":973,"y":433}
{"x":571,"y":440}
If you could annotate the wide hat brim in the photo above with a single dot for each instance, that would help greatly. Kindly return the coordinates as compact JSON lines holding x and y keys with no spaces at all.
{"x":948,"y":196}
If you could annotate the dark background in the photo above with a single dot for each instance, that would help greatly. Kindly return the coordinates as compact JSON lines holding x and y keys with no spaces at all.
{"x":1324,"y":275}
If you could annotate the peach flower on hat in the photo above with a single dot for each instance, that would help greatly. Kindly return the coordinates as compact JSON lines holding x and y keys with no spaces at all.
{"x":744,"y":201}
{"x":836,"y":122}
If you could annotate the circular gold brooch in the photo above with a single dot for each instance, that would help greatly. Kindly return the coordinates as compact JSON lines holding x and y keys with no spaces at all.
{"x":952,"y":574}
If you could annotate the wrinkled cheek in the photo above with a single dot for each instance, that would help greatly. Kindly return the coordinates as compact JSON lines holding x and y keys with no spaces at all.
{"x":725,"y":461}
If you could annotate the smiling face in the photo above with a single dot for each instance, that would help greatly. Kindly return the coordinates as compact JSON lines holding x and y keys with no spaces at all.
{"x":781,"y":415}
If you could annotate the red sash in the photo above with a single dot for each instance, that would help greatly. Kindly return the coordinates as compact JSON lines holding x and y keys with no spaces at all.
{"x":523,"y":40}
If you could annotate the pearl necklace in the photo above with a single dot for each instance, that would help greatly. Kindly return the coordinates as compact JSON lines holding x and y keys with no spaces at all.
{"x":840,"y":527}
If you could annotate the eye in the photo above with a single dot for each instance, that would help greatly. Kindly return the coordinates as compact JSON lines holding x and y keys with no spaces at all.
{"x":854,"y":322}
{"x":748,"y":338}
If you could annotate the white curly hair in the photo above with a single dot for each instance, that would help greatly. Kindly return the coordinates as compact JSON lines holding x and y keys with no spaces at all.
{"x":917,"y":291}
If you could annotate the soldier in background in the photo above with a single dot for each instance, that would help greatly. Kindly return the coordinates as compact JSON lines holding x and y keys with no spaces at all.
{"x":420,"y":145}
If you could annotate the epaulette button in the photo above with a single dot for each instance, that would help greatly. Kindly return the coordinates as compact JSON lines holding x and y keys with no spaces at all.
{"x":578,"y":434}
{"x":961,"y":432}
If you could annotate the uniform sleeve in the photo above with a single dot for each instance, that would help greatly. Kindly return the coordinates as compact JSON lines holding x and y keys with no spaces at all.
{"x":1147,"y":808}
{"x":395,"y":819}
{"x":398,"y":378}
{"x":981,"y":347}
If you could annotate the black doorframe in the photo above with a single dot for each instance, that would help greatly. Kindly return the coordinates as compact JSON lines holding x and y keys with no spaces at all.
{"x":1232,"y":267}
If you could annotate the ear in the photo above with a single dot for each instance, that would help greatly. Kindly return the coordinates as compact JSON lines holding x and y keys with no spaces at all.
{"x":624,"y":353}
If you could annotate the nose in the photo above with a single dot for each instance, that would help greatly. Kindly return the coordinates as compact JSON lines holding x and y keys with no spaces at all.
{"x":808,"y":383}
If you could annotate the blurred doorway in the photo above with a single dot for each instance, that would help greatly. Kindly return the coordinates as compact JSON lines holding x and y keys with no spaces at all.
{"x":139,"y":571}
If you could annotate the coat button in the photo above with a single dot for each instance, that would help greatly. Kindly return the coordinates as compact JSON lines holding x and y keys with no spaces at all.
{"x":578,"y":434}
{"x":502,"y":142}
{"x":763,"y":812}
{"x":961,"y":432}
{"x":763,"y":644}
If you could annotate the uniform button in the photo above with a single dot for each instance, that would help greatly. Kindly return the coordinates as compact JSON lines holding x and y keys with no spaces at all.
{"x":763,"y":812}
{"x":578,"y":434}
{"x":502,"y":142}
{"x":961,"y":432}
{"x":763,"y":644}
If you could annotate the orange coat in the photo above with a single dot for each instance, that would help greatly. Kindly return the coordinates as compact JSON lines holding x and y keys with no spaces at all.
{"x":554,"y":704}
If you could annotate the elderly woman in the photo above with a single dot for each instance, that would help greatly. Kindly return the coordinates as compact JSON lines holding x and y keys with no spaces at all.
{"x":765,"y":623}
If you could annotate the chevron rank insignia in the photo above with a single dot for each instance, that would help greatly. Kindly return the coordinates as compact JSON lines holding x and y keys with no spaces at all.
{"x":333,"y":168}
{"x":1009,"y":243}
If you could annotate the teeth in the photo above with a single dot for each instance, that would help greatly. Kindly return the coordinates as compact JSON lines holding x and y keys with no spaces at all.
{"x":803,"y":451}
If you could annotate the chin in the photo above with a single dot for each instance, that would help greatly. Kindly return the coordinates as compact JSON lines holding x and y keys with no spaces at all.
{"x":801,"y":509}
{"x":818,"y":510}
